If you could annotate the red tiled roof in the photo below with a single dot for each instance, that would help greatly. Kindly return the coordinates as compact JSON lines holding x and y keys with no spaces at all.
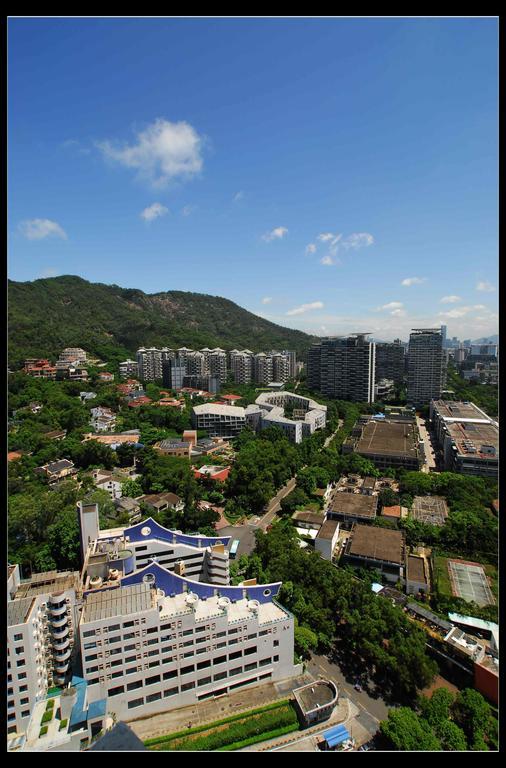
{"x":394,"y":511}
{"x":231,"y":397}
{"x":13,"y":455}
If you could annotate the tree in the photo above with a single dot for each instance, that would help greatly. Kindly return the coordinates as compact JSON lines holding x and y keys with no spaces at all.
{"x":473,"y":714}
{"x":405,"y":731}
{"x":305,"y":641}
{"x":131,"y":488}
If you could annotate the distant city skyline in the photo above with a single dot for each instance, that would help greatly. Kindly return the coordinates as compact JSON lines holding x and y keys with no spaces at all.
{"x":326,"y":174}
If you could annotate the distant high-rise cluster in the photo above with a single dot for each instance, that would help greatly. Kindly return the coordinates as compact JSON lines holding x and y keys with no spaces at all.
{"x":174,"y":365}
{"x":343,"y":368}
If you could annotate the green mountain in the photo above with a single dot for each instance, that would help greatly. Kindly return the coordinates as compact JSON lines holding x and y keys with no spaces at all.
{"x":112,"y":322}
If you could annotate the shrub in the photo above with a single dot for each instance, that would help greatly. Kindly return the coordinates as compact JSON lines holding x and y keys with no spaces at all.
{"x":43,"y":731}
{"x":50,"y":704}
{"x":63,"y":724}
{"x":47,"y":716}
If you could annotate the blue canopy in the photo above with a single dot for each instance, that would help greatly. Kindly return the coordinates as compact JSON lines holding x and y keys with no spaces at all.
{"x":336,"y":735}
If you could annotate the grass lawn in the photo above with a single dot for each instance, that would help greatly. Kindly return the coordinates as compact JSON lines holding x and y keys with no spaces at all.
{"x":441,"y":576}
{"x":255,"y":725}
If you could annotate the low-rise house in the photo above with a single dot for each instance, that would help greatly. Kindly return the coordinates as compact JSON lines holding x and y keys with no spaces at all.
{"x":161,"y":502}
{"x":350,"y":508}
{"x":84,"y":396}
{"x":113,"y":441}
{"x":130,"y":506}
{"x":326,"y":538}
{"x":56,"y":434}
{"x":379,"y":548}
{"x":106,"y":376}
{"x":108,"y":481}
{"x":102,"y":419}
{"x":416,"y":575}
{"x":216,"y":473}
{"x":190,"y":436}
{"x":56,"y":471}
{"x":139,"y":401}
{"x":40,"y":369}
{"x":174,"y":448}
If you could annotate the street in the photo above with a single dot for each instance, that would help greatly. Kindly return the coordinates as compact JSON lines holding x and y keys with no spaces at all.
{"x":372,"y":710}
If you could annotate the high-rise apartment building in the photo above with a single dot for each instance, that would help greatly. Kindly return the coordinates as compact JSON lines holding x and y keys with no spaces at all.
{"x":196,"y":364}
{"x":426,"y":366}
{"x":173,"y":373}
{"x":390,"y":362}
{"x":217,"y":365}
{"x":343,"y":368}
{"x":292,"y":357}
{"x":149,"y":362}
{"x":241,"y":365}
{"x":263,"y":368}
{"x":280,"y":367}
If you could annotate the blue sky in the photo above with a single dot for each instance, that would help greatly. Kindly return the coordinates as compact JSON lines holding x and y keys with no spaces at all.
{"x":333,"y":175}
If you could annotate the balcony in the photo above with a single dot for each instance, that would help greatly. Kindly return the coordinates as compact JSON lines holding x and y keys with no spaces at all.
{"x":57,"y":610}
{"x":60,"y":645}
{"x":59,"y":621}
{"x":60,"y":632}
{"x":62,"y":655}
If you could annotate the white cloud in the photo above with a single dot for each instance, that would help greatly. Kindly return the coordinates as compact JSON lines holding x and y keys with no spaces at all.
{"x":305,"y":308}
{"x":188,"y":209}
{"x":238,"y":196}
{"x":38,"y":229}
{"x":484,"y":285}
{"x":154,"y":211}
{"x":276,"y":234}
{"x":267,"y":300}
{"x":163,"y":151}
{"x":325,"y":237}
{"x":450,"y":299}
{"x":413,"y":281}
{"x":310,"y":248}
{"x":327,"y":261}
{"x":390,"y":305}
{"x":358,"y":240}
{"x":398,"y":313}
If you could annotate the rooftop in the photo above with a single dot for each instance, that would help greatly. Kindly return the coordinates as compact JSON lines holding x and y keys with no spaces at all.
{"x":50,"y":583}
{"x":211,"y":409}
{"x":459,"y":410}
{"x":313,"y":518}
{"x":328,"y":529}
{"x":355,"y":504}
{"x":415,"y":570}
{"x":394,"y":511}
{"x":18,"y":611}
{"x":122,"y":601}
{"x":316,"y":694}
{"x":478,"y":440}
{"x":430,"y":509}
{"x":388,"y":438}
{"x":376,"y":544}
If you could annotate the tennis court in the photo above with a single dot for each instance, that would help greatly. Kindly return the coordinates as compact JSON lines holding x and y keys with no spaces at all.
{"x":469,"y":581}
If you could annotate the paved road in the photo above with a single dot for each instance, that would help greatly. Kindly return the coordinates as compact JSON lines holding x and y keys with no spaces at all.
{"x":274,"y":505}
{"x":331,"y":437}
{"x":372,"y":710}
{"x":430,"y":455}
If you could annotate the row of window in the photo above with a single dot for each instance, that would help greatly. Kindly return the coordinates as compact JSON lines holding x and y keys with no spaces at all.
{"x":133,"y":703}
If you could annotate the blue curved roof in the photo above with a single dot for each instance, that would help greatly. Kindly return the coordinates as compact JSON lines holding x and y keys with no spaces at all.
{"x":172,"y":584}
{"x":134,"y":533}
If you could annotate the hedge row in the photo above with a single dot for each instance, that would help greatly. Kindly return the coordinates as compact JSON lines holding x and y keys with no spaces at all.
{"x":249,"y":726}
{"x":260,"y":737}
{"x":208,"y":726}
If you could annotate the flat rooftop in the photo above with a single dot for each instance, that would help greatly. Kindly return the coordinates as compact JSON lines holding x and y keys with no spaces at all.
{"x":389,"y":438}
{"x":470,"y":438}
{"x":354,"y":504}
{"x":328,"y":529}
{"x":49,"y":583}
{"x":415,"y":569}
{"x":456,"y":409}
{"x":376,"y":544}
{"x":122,"y":601}
{"x":318,"y":694}
{"x":313,"y":518}
{"x":18,"y":611}
{"x":214,"y":607}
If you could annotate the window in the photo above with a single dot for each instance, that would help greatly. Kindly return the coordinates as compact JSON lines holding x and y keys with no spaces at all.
{"x":235,"y":655}
{"x":251,"y":666}
{"x":115,"y":651}
{"x":117,"y":674}
{"x":18,"y":637}
{"x":203,"y":664}
{"x":153,"y":664}
{"x":93,"y":681}
{"x":152,"y":680}
{"x":23,"y":688}
{"x":250,"y":637}
{"x":276,"y":658}
{"x":249,"y":651}
{"x":168,"y":675}
{"x":153,"y":697}
{"x":87,"y":646}
{"x":201,"y":629}
{"x":10,"y":691}
{"x":235,"y":671}
{"x":91,"y":669}
{"x":92,"y":657}
{"x":128,"y":624}
{"x":131,"y":671}
{"x":89,"y":633}
{"x":130,"y":659}
{"x":233,"y":641}
{"x":219,"y":675}
{"x":128,"y":635}
{"x":203,"y":681}
{"x":264,"y":662}
{"x":233,"y":631}
{"x":115,"y":639}
{"x":276,"y":643}
{"x":201,"y":639}
{"x":135,"y":703}
{"x":187,"y":670}
{"x":116,"y":691}
{"x":25,"y":713}
{"x":153,"y":641}
{"x":130,"y":647}
{"x":113,"y":627}
{"x":152,"y":629}
{"x":171,"y":692}
{"x":20,"y":663}
{"x":10,"y":702}
{"x":187,"y":632}
{"x":220,"y":659}
{"x":187,"y":686}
